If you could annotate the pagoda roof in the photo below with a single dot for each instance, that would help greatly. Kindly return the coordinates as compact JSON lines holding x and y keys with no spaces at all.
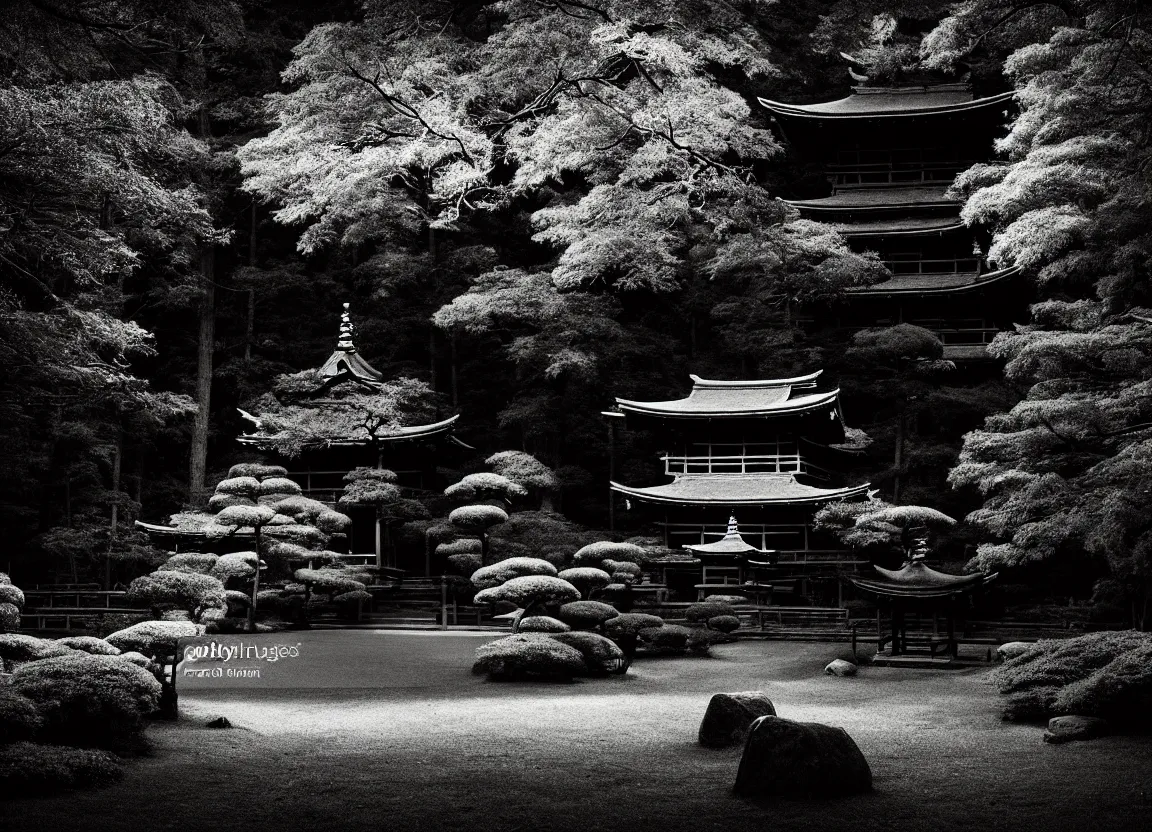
{"x":900,"y":226}
{"x":399,"y":434}
{"x":931,"y":284}
{"x":917,"y":580}
{"x":710,"y":398}
{"x":345,"y":361}
{"x":884,"y":199}
{"x":730,"y":544}
{"x":737,"y":489}
{"x":891,"y":102}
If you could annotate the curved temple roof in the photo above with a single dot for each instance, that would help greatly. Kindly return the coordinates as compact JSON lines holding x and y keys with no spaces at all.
{"x":398,"y":435}
{"x":871,"y":102}
{"x":917,"y":580}
{"x":711,"y":398}
{"x":737,"y":489}
{"x":929,"y":284}
{"x":730,"y":544}
{"x":883,"y":199}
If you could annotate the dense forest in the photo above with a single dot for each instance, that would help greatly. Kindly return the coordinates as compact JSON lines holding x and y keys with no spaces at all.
{"x":533,"y":206}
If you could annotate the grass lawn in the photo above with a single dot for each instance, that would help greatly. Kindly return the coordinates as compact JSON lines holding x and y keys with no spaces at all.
{"x":406,"y":739}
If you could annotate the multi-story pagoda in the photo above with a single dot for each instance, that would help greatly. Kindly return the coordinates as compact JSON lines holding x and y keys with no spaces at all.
{"x":409,"y":450}
{"x":890,"y":154}
{"x":758,"y":449}
{"x":343,"y":427}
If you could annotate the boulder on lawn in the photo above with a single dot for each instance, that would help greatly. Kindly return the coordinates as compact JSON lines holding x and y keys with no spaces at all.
{"x":1013,"y":649}
{"x":800,"y":759}
{"x":840,"y":667}
{"x":1070,"y":728}
{"x":730,"y":715}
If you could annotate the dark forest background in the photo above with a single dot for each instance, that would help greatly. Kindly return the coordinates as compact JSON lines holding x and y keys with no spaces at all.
{"x":535,"y":207}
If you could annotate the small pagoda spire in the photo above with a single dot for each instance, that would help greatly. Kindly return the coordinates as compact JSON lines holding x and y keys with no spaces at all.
{"x":733,"y":527}
{"x":345,"y":340}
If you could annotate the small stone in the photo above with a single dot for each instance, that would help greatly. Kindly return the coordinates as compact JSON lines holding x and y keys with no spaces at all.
{"x":1013,"y":649}
{"x":839,"y":667}
{"x":219,"y":722}
{"x":730,"y":715}
{"x":800,"y":759}
{"x":1070,"y":728}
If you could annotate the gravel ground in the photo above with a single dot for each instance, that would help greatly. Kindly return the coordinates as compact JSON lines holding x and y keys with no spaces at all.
{"x":404,"y":738}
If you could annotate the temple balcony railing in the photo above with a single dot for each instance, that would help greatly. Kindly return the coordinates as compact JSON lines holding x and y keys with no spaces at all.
{"x":887,"y":174}
{"x":917,"y":265}
{"x":744,"y":464}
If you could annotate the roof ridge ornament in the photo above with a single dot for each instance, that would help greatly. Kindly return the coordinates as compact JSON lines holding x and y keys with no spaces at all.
{"x":344,"y":342}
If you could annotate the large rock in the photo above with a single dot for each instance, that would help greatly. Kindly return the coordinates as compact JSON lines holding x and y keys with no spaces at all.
{"x":840,"y":667}
{"x":1069,"y":728}
{"x":1013,"y":649}
{"x":800,"y":759}
{"x":730,"y":715}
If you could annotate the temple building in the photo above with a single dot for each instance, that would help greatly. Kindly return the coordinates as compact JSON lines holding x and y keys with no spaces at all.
{"x":333,"y":429}
{"x":889,"y":155}
{"x":918,"y":590}
{"x":759,"y":449}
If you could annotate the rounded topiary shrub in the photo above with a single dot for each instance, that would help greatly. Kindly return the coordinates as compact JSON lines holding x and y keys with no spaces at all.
{"x":631,"y":623}
{"x":464,"y":546}
{"x":239,"y":486}
{"x":601,"y":655}
{"x":279,"y":485}
{"x":17,"y":647}
{"x":477,"y":518}
{"x":531,"y":589}
{"x":529,"y":654}
{"x":725,"y":599}
{"x":465,"y":563}
{"x":331,"y":581}
{"x":497,"y":573}
{"x":256,"y":470}
{"x":239,"y":565}
{"x":542,"y":624}
{"x":586,"y":615}
{"x":594,"y":554}
{"x":10,"y":594}
{"x":201,"y":563}
{"x":187,"y":590}
{"x":153,"y":638}
{"x":87,"y":700}
{"x":701,"y":612}
{"x":586,"y":578}
{"x":19,"y":718}
{"x":724,"y":623}
{"x":9,"y":618}
{"x":219,"y":502}
{"x":31,"y":770}
{"x":89,"y":644}
{"x":671,"y":639}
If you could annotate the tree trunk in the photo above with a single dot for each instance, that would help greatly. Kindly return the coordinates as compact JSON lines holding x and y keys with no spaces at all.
{"x":432,"y":358}
{"x":255,"y":586}
{"x":117,"y":456}
{"x":899,"y":459}
{"x":484,"y":548}
{"x":251,"y":292}
{"x":197,"y":495}
{"x":379,"y":541}
{"x":455,"y":391}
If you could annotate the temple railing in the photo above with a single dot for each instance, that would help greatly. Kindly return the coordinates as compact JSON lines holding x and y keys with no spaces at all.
{"x":950,"y":265}
{"x":882,"y":174}
{"x":743,"y":464}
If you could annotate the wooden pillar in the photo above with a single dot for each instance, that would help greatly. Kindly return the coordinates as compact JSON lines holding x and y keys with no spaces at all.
{"x":612,"y":472}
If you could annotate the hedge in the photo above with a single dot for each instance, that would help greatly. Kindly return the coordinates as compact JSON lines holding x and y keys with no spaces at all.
{"x":31,"y":770}
{"x":534,"y":654}
{"x":498,"y":573}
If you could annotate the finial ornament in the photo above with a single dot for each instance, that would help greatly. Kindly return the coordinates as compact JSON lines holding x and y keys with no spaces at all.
{"x":918,"y":551}
{"x":345,"y":340}
{"x":733,"y":528}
